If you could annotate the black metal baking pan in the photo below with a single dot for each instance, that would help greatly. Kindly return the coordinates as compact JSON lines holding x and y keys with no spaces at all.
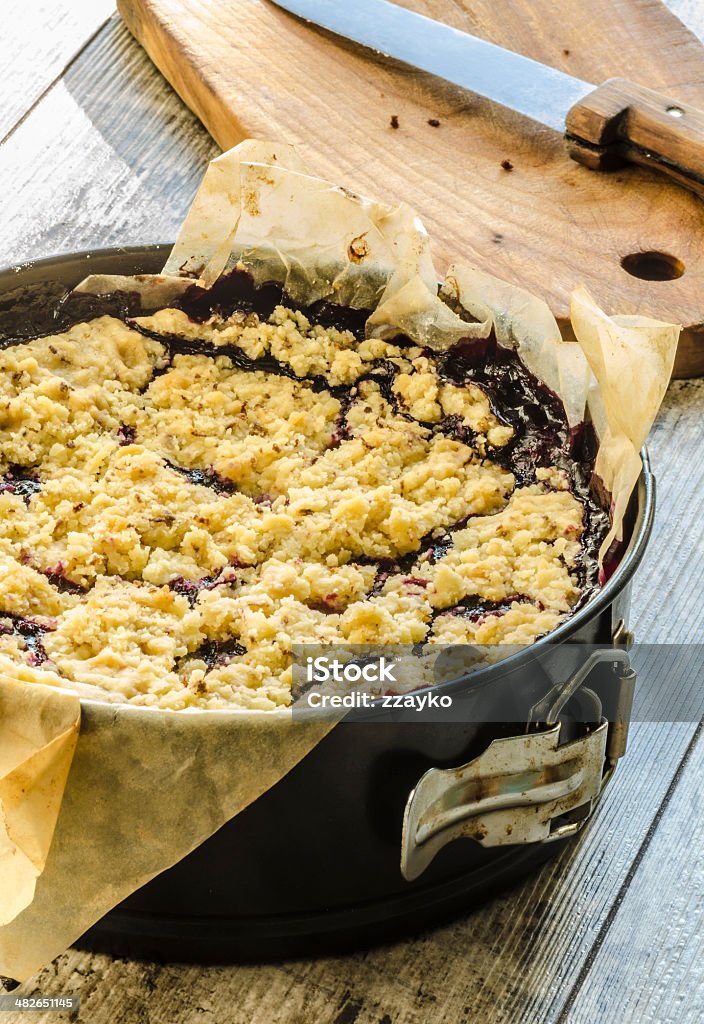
{"x":313,"y":864}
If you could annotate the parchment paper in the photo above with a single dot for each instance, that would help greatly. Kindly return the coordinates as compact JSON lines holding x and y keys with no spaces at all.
{"x":631,"y":359}
{"x":144,"y":790}
{"x":148,"y":786}
{"x":39,"y":734}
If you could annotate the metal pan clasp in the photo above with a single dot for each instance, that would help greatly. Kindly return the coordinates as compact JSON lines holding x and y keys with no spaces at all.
{"x":521,"y":789}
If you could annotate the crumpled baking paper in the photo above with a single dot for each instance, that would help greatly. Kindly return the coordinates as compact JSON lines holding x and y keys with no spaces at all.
{"x":148,"y":786}
{"x":145,"y":789}
{"x":39,"y":734}
{"x":631,"y":359}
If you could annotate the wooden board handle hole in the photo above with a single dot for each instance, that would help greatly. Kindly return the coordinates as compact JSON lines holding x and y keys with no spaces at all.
{"x":653,"y":266}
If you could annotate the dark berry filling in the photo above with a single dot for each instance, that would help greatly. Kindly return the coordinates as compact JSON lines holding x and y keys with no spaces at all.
{"x":205,"y":478}
{"x":29,"y":631}
{"x":20,"y":481}
{"x":58,"y":578}
{"x":330,"y":604}
{"x":192,"y":588}
{"x":477,"y":608}
{"x":126,"y":435}
{"x":219,"y":652}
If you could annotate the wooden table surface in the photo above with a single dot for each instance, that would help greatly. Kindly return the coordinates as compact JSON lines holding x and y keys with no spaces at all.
{"x":96,"y":149}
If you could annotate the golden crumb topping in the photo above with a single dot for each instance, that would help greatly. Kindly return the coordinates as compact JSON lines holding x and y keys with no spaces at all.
{"x":174,"y":518}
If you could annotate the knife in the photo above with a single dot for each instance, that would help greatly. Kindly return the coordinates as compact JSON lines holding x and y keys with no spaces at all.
{"x":605,"y":126}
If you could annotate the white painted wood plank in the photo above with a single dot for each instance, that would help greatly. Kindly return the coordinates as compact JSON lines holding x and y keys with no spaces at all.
{"x":668,"y":588}
{"x":110,"y":155}
{"x":691,"y":12}
{"x":39,"y":38}
{"x":649,"y":969}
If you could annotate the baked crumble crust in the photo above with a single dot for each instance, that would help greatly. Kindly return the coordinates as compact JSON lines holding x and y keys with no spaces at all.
{"x":176,"y":511}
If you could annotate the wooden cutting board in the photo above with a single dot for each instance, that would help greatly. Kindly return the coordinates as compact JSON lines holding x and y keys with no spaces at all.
{"x":492,"y":187}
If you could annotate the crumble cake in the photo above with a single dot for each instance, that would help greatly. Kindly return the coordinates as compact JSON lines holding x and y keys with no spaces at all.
{"x":185,"y":495}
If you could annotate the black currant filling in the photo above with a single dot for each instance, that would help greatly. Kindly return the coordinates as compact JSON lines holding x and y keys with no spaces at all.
{"x":205,"y":478}
{"x":58,"y":578}
{"x":21,"y":481}
{"x":126,"y":435}
{"x":477,"y":608}
{"x":192,"y":588}
{"x":219,"y":652}
{"x":48,"y":307}
{"x":30,"y":632}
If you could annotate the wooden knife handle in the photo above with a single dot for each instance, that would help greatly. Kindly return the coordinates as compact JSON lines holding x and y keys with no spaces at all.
{"x":622,"y":123}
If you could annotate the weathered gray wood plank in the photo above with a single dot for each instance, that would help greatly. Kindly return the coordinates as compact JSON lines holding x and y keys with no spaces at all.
{"x":110,"y":155}
{"x":649,"y":967}
{"x":690,"y":12}
{"x":514,"y":961}
{"x":39,"y":38}
{"x":668,"y":588}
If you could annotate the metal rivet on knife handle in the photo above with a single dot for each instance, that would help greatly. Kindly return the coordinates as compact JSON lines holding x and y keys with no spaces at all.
{"x":620,"y":123}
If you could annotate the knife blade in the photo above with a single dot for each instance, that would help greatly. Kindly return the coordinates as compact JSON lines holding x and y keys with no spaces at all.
{"x":536,"y":90}
{"x":605,"y":126}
